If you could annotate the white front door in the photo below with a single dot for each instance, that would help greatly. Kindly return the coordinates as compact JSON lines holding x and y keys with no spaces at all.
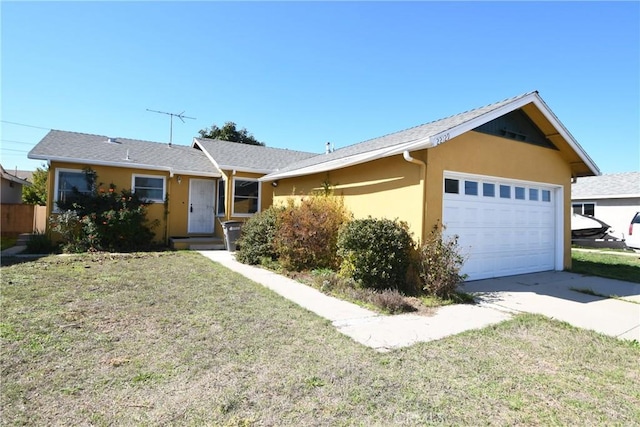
{"x":201,"y":206}
{"x":504,"y":227}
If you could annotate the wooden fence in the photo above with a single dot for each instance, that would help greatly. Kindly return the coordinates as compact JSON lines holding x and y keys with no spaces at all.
{"x":19,"y":218}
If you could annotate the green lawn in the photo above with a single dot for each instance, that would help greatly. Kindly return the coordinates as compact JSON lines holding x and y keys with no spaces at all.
{"x":174,"y":339}
{"x":7,"y":242}
{"x":621,"y":267}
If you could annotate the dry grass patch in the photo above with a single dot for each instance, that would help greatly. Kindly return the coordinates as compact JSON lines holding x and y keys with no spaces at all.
{"x":172,"y":338}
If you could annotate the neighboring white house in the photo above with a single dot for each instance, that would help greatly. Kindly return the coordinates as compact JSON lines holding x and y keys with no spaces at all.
{"x":612,"y":198}
{"x":11,"y":189}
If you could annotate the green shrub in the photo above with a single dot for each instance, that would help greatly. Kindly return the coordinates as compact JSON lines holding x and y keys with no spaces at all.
{"x":103,"y":219}
{"x":376,"y":253}
{"x":68,"y":224}
{"x":308,"y":232}
{"x":256,"y":244}
{"x":440,"y":264}
{"x":40,"y":243}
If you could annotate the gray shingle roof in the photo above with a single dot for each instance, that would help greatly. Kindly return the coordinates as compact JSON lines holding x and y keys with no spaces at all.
{"x":615,"y":185}
{"x":414,"y":134}
{"x":95,"y":149}
{"x":425,"y":136}
{"x":13,"y":178}
{"x":249,"y":158}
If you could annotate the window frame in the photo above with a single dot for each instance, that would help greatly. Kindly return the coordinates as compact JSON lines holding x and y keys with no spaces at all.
{"x":221,"y":192}
{"x":582,"y":205}
{"x":471,"y":187}
{"x":451,"y":182}
{"x":56,"y":185}
{"x":505,"y":194}
{"x":488,"y":185}
{"x":233,"y":197}
{"x":164,"y":186}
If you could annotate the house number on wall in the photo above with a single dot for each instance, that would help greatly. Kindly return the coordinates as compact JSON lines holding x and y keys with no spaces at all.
{"x":442,"y":138}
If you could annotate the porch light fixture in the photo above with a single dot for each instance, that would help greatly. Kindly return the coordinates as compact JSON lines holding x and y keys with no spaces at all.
{"x":274,"y":184}
{"x":179,"y":179}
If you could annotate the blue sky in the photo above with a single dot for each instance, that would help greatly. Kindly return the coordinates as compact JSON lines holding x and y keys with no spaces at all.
{"x":299,"y":74}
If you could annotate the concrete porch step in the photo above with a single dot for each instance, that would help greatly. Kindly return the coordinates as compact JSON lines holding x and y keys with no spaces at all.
{"x":197,"y":243}
{"x":23,"y":239}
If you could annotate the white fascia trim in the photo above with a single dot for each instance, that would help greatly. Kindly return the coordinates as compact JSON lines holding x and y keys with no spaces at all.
{"x":606,"y":197}
{"x":248,"y":170}
{"x":228,"y":167}
{"x":467,"y":126}
{"x":542,"y":106}
{"x":494,"y":114}
{"x":334,"y":164}
{"x":419,"y":144}
{"x":194,"y":173}
{"x":343,"y":162}
{"x":444,"y":136}
{"x":129,"y":165}
{"x":209,"y":156}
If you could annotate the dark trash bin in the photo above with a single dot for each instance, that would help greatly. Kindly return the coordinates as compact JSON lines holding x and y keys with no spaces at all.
{"x":232,"y":230}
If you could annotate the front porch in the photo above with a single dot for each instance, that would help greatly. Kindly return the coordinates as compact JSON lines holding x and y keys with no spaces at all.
{"x":197,"y":243}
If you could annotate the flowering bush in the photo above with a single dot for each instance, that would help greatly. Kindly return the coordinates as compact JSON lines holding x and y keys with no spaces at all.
{"x":307,"y":233}
{"x":103,"y":219}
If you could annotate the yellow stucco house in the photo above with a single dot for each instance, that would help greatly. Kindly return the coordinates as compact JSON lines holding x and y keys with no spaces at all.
{"x":192,"y":189}
{"x":498,"y":176}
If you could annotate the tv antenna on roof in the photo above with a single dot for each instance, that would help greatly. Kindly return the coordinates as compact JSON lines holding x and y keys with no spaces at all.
{"x":181,"y":116}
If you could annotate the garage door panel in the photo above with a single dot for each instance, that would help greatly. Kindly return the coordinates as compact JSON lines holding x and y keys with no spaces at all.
{"x":500,"y":236}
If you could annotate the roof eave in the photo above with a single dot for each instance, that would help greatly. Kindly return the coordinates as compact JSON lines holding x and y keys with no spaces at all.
{"x":564,"y":132}
{"x":446,"y":135}
{"x":125,"y":164}
{"x":245,"y":169}
{"x":606,"y":196}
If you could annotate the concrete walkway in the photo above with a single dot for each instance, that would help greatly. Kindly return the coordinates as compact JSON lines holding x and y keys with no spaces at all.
{"x":380,"y":332}
{"x":13,"y":250}
{"x":549,"y":293}
{"x":555,"y":295}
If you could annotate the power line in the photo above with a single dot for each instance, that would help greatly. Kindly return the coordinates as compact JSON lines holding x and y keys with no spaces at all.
{"x":17,"y":142}
{"x":25,"y":125}
{"x":10,"y":149}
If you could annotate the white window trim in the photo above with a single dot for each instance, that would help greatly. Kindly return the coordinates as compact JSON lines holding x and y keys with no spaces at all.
{"x":164,"y":185}
{"x":582,"y":203}
{"x":224,"y":207}
{"x":56,"y":186}
{"x":233,"y":197}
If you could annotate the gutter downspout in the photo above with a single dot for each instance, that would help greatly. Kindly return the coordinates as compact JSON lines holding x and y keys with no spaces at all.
{"x":423,"y":182}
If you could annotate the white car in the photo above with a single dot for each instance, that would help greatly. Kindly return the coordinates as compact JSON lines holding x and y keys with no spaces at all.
{"x":633,"y":238}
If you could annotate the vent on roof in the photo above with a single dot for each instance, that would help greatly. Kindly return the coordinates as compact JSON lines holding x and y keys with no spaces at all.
{"x":329,"y":148}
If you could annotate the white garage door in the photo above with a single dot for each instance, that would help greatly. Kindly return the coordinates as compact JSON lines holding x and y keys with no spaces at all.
{"x":504,"y":227}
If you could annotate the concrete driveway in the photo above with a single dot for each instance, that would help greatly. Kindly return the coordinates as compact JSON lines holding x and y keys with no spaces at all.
{"x":553,"y":294}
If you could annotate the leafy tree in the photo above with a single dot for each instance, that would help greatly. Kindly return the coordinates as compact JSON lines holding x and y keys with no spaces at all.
{"x":36,"y":194}
{"x":229,"y":132}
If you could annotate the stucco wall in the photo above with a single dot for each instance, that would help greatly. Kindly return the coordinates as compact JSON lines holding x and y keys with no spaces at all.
{"x":10,"y":192}
{"x":391,"y":187}
{"x":266,"y":196}
{"x":122,"y":179}
{"x":386,"y":188}
{"x":483,"y":154}
{"x":618,"y":213}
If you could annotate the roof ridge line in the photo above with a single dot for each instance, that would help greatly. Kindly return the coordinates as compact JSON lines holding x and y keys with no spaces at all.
{"x":443,"y":118}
